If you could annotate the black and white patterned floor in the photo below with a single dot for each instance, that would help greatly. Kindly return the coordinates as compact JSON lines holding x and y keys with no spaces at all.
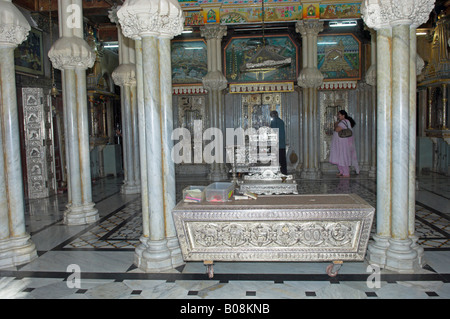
{"x":103,"y":252}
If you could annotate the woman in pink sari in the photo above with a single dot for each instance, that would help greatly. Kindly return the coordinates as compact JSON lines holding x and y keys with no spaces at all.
{"x":342,"y":150}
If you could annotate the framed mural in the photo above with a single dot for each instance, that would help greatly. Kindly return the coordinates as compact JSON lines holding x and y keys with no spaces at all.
{"x":189,"y":61}
{"x":239,"y":51}
{"x":340,"y":11}
{"x":339,"y":57}
{"x":28,"y":56}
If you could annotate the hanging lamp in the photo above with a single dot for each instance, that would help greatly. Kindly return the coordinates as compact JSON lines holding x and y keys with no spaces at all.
{"x":266,"y":58}
{"x":54,"y":91}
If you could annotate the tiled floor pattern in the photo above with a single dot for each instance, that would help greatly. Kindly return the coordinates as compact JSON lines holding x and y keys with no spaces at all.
{"x":104,"y":253}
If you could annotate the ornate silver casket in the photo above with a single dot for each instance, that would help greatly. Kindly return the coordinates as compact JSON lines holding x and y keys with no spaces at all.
{"x":267,"y":180}
{"x":276,"y":228}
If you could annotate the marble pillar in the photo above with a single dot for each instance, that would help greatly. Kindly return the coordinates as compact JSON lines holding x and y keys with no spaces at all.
{"x":125,"y":77}
{"x":215,"y":82}
{"x":146,"y":23}
{"x":371,"y":79}
{"x":310,"y":79}
{"x":71,"y":54}
{"x":414,"y":71}
{"x":16,"y":247}
{"x":168,"y":165}
{"x":392,"y":247}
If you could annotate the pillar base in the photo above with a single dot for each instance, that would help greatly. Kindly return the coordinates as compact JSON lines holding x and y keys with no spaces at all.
{"x":16,"y":251}
{"x":130,"y":189}
{"x":401,"y":257}
{"x":175,"y":252}
{"x":376,"y":250}
{"x":153,"y":256}
{"x":311,"y":173}
{"x":81,"y":215}
{"x":419,"y":249}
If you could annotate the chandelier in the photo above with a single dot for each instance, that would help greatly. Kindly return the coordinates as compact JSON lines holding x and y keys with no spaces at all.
{"x":266,"y":58}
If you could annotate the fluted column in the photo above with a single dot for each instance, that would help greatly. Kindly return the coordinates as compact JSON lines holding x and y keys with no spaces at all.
{"x":392,"y":247}
{"x":72,"y":55}
{"x":215,"y":82}
{"x":16,"y":247}
{"x":415,"y":69}
{"x":371,"y":79}
{"x":125,"y":77}
{"x":310,"y":79}
{"x":152,"y":24}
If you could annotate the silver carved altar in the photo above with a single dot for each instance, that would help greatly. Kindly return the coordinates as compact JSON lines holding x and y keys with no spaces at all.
{"x":259,"y":160}
{"x":300,"y":228}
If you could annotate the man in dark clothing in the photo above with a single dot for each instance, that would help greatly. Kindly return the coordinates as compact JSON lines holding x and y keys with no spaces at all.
{"x":278,"y":123}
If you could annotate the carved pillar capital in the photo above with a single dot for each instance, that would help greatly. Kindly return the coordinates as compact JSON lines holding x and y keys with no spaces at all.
{"x":379,"y":14}
{"x":14,"y":27}
{"x":310,"y":77}
{"x":309,"y":27}
{"x":161,"y":18}
{"x":125,"y":74}
{"x":215,"y":80}
{"x":71,"y":53}
{"x":213,"y":31}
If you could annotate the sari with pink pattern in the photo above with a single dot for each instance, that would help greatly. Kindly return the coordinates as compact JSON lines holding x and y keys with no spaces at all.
{"x":342,"y":150}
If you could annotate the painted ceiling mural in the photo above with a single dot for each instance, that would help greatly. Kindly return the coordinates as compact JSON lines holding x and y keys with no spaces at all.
{"x":201,"y":12}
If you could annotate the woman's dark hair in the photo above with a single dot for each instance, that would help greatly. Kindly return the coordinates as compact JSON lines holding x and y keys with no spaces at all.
{"x":352,"y":121}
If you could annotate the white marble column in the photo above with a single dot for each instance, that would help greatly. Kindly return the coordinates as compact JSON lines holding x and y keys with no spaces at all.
{"x":125,"y":77}
{"x":310,"y":79}
{"x":215,"y":82}
{"x":71,"y":54}
{"x":16,"y":247}
{"x":371,"y":79}
{"x":146,"y":23}
{"x":168,"y":165}
{"x":415,"y":69}
{"x":392,"y":247}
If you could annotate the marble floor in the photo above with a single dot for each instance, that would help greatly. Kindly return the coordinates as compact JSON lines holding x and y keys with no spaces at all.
{"x":103,"y":253}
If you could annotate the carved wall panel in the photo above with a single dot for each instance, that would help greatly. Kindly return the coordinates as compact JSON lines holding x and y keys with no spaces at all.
{"x":38,"y":126}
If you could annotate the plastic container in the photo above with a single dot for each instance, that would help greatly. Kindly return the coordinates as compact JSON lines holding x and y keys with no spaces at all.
{"x":194,"y":194}
{"x":219,"y":192}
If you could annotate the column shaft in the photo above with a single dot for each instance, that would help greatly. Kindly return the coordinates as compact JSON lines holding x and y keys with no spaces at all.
{"x":153,"y":136}
{"x":12,"y":182}
{"x":400,"y":131}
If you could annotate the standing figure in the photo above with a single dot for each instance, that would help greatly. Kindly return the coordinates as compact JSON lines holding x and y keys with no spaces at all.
{"x":278,"y":123}
{"x":342,"y":150}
